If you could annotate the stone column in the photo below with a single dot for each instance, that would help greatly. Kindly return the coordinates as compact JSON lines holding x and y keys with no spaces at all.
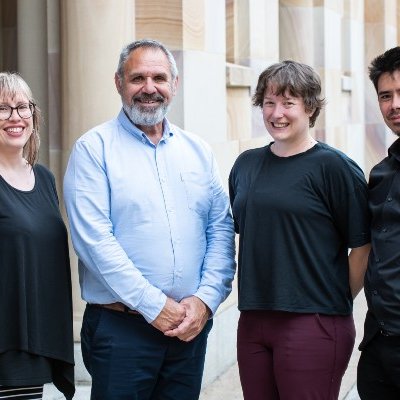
{"x":353,"y":81}
{"x":32,"y":59}
{"x":252,"y":42}
{"x":54,"y":91}
{"x":92,"y":36}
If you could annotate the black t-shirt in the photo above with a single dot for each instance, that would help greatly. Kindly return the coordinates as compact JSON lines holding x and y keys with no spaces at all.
{"x":382,"y":280}
{"x":297,"y":217}
{"x":35,"y":284}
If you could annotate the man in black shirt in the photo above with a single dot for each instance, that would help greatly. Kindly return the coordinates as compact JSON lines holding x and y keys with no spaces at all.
{"x":379,"y":366}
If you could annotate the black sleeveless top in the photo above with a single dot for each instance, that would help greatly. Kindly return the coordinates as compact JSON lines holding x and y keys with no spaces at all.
{"x":35,"y":287}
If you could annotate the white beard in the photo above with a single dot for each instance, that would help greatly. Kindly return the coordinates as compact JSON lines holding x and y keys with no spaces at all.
{"x":146,"y":117}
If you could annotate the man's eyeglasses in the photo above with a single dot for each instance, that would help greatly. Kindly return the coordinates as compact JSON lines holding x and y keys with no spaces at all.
{"x":25,"y":111}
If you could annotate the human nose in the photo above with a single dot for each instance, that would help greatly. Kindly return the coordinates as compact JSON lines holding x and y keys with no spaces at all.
{"x":14,"y":114}
{"x":396,"y":101}
{"x":277,"y":111}
{"x":149,"y":86}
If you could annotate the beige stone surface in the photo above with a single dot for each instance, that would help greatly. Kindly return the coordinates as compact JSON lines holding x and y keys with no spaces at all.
{"x":374,"y":11}
{"x":193,"y":12}
{"x":264,"y":30}
{"x":89,"y":61}
{"x":297,"y":41}
{"x":298,"y":3}
{"x":238,"y":113}
{"x":398,"y":24}
{"x":161,"y":20}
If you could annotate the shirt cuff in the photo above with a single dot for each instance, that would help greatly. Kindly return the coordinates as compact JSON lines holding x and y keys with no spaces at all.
{"x":208,"y":300}
{"x":151,"y":305}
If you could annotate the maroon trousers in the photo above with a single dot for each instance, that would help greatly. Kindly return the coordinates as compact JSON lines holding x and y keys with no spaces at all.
{"x":290,"y":356}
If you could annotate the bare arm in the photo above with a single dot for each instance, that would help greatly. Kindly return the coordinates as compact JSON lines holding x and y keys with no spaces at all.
{"x":358,"y":261}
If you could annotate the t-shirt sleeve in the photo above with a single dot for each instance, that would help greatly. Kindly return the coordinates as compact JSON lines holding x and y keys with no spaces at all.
{"x":347,"y":196}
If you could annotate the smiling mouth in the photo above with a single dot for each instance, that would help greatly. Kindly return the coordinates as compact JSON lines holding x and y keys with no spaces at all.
{"x":279,"y":124}
{"x":148,"y":101}
{"x":14,"y":130}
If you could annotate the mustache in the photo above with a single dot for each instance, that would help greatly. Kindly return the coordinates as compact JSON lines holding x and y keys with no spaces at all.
{"x":148,"y":97}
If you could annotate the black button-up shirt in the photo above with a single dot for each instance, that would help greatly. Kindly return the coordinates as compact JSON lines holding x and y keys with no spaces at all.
{"x":382,"y":282}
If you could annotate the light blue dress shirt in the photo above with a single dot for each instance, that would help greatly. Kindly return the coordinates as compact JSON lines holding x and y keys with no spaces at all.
{"x":148,"y":221}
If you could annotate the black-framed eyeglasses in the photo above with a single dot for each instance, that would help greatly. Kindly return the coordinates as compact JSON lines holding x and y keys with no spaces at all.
{"x":25,"y":111}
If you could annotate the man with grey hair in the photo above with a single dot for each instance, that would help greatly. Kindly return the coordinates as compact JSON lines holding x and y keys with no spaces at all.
{"x":151,"y":225}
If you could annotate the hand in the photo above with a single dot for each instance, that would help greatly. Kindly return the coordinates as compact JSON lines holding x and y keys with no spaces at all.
{"x":197,"y":314}
{"x":170,"y":317}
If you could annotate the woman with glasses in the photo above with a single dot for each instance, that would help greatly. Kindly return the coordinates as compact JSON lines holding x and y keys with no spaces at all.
{"x":299,"y":205}
{"x":36,"y":340}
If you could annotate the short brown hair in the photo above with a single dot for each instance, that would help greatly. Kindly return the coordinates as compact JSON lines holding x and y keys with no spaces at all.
{"x":300,"y":80}
{"x":12,"y":85}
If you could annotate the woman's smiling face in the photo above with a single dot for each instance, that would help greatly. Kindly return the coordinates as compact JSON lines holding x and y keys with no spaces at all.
{"x":15,"y":131}
{"x":285,"y":116}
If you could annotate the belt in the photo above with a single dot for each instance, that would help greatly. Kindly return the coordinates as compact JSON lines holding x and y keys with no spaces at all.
{"x":117,"y":307}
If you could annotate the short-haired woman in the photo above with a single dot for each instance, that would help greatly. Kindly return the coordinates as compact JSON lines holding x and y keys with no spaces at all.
{"x":36,"y":340}
{"x":299,"y":206}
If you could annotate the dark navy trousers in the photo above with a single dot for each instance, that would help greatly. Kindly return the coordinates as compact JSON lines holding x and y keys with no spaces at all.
{"x":129,"y":359}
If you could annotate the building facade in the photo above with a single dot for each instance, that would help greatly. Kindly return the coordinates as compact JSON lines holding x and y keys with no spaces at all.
{"x":67,"y":51}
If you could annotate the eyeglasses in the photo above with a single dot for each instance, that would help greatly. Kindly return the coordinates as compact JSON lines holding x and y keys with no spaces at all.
{"x":25,"y":111}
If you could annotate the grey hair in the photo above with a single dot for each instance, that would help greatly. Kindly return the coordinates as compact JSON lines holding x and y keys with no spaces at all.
{"x":148,"y":44}
{"x":11,"y":86}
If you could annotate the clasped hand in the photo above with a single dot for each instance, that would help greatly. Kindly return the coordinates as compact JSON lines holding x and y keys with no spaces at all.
{"x":184,"y":320}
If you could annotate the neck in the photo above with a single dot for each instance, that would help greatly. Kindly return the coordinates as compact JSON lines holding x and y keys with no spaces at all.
{"x":12,"y":160}
{"x":153,"y":132}
{"x":287,"y":149}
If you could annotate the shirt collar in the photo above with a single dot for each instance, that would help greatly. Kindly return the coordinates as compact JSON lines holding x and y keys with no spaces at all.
{"x":130,"y":127}
{"x":394,"y":150}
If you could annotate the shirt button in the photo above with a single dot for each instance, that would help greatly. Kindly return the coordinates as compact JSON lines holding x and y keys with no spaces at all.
{"x":377,"y":259}
{"x":389,"y":198}
{"x":381,"y":323}
{"x":375,"y":292}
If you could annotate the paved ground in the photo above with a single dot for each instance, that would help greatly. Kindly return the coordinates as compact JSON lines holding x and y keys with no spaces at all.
{"x":227,"y":386}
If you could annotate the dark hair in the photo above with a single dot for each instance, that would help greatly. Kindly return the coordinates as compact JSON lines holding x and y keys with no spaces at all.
{"x":149,"y":44}
{"x":389,"y":62}
{"x":12,"y":85}
{"x":300,"y":80}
